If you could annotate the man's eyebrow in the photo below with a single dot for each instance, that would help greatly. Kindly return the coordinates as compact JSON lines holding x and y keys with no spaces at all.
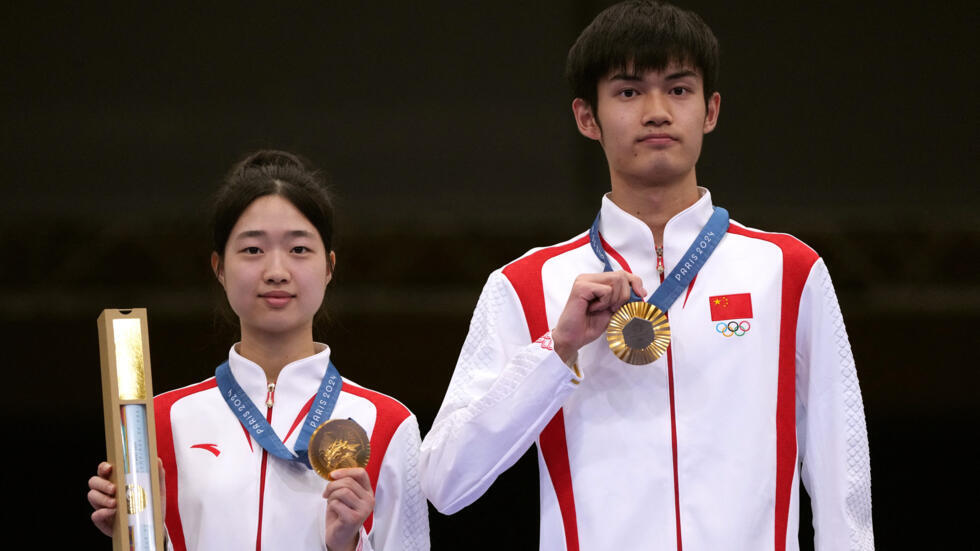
{"x":633,"y":77}
{"x":684,"y":73}
{"x":626,"y":76}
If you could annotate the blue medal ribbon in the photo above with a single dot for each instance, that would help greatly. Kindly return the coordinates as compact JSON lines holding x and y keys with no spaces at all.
{"x":685,"y":270}
{"x":256,"y":424}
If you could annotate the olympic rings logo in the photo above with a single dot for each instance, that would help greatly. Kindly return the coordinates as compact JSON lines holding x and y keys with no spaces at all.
{"x":733,"y":328}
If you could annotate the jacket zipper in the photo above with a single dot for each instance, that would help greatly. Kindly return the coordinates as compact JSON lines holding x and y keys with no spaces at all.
{"x":269,"y":401}
{"x":673,"y":420}
{"x":269,"y":396}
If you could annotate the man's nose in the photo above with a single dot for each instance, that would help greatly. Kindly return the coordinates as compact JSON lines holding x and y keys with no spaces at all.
{"x":656,"y":109}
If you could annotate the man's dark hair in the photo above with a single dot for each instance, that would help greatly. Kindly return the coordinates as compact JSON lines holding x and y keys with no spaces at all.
{"x":641,"y":35}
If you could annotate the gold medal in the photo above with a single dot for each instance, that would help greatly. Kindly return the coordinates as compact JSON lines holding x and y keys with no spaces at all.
{"x":338,"y":444}
{"x":638,"y":333}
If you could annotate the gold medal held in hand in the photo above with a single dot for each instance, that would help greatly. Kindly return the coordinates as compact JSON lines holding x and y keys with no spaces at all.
{"x":338,"y":444}
{"x":638,"y":333}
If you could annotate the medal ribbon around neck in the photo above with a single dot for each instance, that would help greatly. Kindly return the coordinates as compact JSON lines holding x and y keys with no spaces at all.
{"x":256,"y":424}
{"x":645,"y":323}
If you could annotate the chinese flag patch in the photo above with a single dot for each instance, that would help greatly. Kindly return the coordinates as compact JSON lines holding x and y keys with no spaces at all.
{"x":726,"y":307}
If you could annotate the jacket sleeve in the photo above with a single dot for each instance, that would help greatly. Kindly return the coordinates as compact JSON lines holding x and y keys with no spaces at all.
{"x":401,"y":515}
{"x":503,"y":392}
{"x":832,"y":436}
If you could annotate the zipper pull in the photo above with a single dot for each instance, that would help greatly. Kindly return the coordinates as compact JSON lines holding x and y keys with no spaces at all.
{"x":660,"y":260}
{"x":269,"y":396}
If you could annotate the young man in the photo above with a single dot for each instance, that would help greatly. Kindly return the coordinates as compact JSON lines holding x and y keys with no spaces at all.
{"x":697,"y":449}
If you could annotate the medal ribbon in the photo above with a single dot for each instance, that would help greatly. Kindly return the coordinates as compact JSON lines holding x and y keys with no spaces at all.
{"x":689,"y":265}
{"x":255,"y":423}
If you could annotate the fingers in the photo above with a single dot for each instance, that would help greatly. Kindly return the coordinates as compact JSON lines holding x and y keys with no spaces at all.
{"x":596,"y":295}
{"x":352,"y":488}
{"x":609,"y":290}
{"x":101,"y":496}
{"x":358,"y":474}
{"x":594,"y":298}
{"x":636,"y":284}
{"x":102,"y":491}
{"x":104,"y":519}
{"x":350,"y":501}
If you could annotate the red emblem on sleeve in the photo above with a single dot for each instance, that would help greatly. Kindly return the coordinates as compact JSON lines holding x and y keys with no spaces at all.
{"x":726,"y":307}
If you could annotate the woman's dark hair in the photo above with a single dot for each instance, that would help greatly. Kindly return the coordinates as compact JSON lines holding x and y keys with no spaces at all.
{"x":272,"y":172}
{"x":641,"y":35}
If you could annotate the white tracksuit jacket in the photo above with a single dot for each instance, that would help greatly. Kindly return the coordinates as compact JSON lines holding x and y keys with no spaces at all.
{"x":225,"y":492}
{"x":702,"y":448}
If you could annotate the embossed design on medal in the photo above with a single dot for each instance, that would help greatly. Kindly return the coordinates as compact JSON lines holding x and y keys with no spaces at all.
{"x":638,"y":333}
{"x":338,"y":444}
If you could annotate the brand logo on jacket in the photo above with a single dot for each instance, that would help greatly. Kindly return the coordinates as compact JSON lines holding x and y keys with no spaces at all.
{"x":213,"y":448}
{"x":732,"y":312}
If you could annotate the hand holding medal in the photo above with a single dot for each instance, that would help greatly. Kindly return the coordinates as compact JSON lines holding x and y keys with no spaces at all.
{"x":593,"y":300}
{"x":638,"y":332}
{"x":341,"y":446}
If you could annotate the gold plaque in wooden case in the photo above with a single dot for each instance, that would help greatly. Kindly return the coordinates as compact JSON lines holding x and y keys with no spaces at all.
{"x":127,"y":401}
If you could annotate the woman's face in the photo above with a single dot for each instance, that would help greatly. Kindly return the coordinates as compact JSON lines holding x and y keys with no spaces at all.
{"x":274,"y":268}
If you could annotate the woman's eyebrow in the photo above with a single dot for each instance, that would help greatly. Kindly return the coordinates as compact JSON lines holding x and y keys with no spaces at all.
{"x":263,"y":233}
{"x":250,"y":233}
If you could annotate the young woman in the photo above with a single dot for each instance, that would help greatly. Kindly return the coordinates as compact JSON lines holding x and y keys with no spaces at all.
{"x":226,"y":486}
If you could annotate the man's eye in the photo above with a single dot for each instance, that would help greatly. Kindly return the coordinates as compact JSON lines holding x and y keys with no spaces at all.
{"x":300,"y":249}
{"x":251,"y":250}
{"x":679,"y":91}
{"x":628,"y":93}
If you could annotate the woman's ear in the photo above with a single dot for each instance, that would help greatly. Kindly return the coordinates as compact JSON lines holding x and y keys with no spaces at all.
{"x":218,"y":267}
{"x":331,"y":266}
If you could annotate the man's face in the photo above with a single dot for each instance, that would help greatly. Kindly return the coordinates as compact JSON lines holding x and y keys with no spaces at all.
{"x":650,"y":124}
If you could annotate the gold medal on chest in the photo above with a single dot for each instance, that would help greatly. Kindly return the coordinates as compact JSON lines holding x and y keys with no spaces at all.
{"x":338,"y":444}
{"x":638,"y":333}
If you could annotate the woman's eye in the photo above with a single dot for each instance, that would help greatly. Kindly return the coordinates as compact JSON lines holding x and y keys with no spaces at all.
{"x":300,"y":249}
{"x":251,"y":250}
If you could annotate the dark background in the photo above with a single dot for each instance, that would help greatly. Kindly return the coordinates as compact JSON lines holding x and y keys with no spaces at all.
{"x":445,"y":129}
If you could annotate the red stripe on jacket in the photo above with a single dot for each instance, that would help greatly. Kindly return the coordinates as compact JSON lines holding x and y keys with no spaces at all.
{"x":165,"y":447}
{"x":391,"y":414}
{"x":524,"y":275}
{"x":798,"y":260}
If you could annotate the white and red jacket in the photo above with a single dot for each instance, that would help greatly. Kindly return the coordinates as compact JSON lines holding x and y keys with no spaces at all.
{"x":700,"y":450}
{"x":225,"y":492}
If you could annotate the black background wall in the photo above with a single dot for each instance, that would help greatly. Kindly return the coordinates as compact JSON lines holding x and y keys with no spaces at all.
{"x":445,"y":129}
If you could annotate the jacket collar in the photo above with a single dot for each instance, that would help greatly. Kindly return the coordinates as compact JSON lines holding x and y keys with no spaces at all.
{"x":297,"y":381}
{"x":633,"y":239}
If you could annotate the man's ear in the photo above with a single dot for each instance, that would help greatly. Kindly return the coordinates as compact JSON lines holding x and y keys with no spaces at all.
{"x":218,"y":267}
{"x":585,"y":118}
{"x":711,"y":117}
